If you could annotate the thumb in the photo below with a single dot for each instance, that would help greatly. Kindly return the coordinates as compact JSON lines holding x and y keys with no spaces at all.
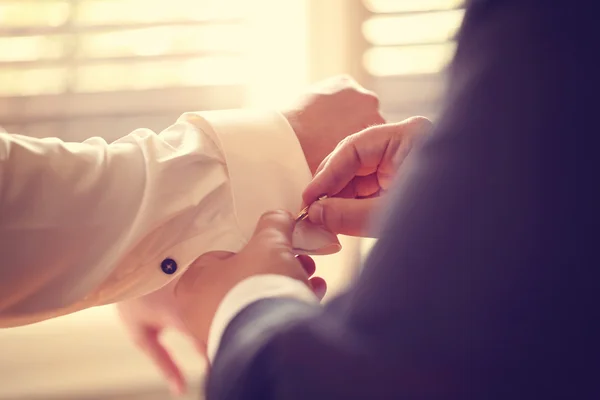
{"x":275,"y":226}
{"x":343,"y":216}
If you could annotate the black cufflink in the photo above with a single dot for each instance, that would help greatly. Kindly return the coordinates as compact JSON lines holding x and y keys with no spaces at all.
{"x":168,"y":266}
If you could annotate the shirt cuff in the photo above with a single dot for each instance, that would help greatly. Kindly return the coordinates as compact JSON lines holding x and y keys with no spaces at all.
{"x":267,"y":170}
{"x":247,"y":292}
{"x":265,"y":162}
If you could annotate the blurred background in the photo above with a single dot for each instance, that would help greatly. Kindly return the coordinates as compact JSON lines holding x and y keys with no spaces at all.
{"x":74,"y":69}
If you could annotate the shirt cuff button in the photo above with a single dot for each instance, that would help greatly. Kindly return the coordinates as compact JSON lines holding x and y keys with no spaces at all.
{"x":168,"y":266}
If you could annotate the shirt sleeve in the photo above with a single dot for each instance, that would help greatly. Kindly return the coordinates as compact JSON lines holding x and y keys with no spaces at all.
{"x":84,"y":224}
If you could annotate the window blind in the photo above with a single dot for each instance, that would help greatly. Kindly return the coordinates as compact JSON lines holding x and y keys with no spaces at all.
{"x":68,"y":66}
{"x":409,"y":44}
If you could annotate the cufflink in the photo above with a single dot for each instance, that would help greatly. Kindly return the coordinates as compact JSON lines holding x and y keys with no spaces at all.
{"x":304,"y":212}
{"x":168,"y":266}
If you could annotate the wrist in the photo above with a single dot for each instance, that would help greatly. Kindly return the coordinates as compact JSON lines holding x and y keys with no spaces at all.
{"x":294,"y":119}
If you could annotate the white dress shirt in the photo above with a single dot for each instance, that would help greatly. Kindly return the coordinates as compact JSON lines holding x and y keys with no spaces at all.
{"x":84,"y":224}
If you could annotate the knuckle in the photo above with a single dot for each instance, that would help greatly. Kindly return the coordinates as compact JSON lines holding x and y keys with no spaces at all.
{"x":269,"y":222}
{"x":370,"y":96}
{"x":349,"y":92}
{"x":268,"y":214}
{"x":342,"y":149}
{"x":377,"y":129}
{"x":345,"y":142}
{"x":368,"y":100}
{"x":275,"y":216}
{"x":275,"y":252}
{"x":350,"y":142}
{"x":339,"y":85}
{"x":346,"y":79}
{"x":374,"y":100}
{"x":420,"y":125}
{"x":347,"y":83}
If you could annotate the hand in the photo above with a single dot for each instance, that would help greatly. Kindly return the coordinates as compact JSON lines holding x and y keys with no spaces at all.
{"x":331,"y":111}
{"x":145,"y":318}
{"x":204,"y":285}
{"x":357,"y":173}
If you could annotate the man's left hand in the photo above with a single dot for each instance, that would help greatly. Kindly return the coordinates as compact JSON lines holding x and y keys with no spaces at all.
{"x":329,"y":112}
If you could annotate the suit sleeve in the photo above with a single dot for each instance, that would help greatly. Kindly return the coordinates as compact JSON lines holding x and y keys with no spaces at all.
{"x":471,"y":290}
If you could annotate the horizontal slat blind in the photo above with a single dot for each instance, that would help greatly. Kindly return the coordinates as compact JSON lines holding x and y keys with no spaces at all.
{"x":409,"y":45}
{"x":68,"y":63}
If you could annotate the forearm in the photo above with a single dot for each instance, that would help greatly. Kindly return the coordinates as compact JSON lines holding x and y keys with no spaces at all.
{"x":72,"y":211}
{"x":96,"y":221}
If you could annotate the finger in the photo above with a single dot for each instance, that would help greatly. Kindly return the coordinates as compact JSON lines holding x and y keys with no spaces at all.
{"x":364,"y":153}
{"x":325,"y":161}
{"x":336,"y":172}
{"x":361,"y":186}
{"x":411,"y":131}
{"x":149,"y":343}
{"x":354,"y":188}
{"x":319,"y":169}
{"x":307,"y":263}
{"x":344,"y":216}
{"x":278,"y":226}
{"x":379,"y":120}
{"x":358,"y":155}
{"x":319,"y":286}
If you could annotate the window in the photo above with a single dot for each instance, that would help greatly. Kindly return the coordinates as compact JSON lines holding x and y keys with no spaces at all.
{"x":106,"y":67}
{"x":408,"y":45}
{"x":81,"y":68}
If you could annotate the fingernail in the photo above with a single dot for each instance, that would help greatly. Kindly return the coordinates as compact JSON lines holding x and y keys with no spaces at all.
{"x":319,"y":291}
{"x":315,"y":213}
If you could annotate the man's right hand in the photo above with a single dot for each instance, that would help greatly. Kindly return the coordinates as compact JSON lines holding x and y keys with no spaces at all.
{"x":357,"y":173}
{"x":205,"y":284}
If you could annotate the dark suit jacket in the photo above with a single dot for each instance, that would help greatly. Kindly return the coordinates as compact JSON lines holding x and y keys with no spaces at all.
{"x":484,"y":284}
